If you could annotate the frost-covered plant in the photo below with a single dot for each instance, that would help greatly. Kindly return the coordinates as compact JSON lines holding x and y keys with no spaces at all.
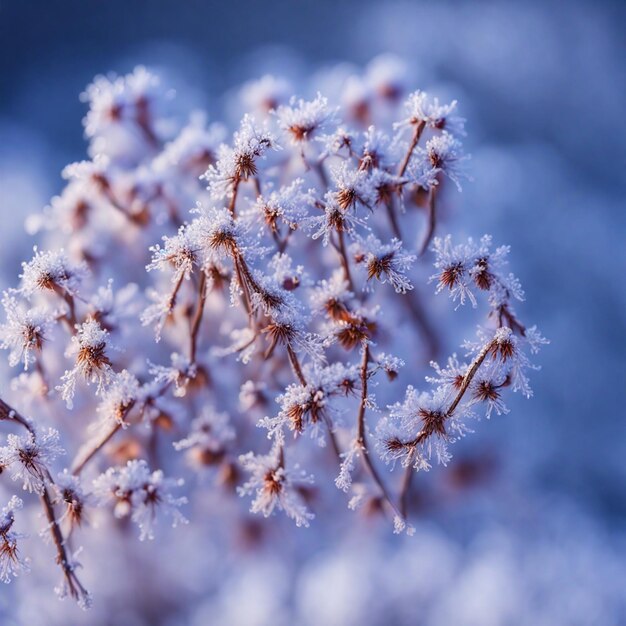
{"x":265,"y":287}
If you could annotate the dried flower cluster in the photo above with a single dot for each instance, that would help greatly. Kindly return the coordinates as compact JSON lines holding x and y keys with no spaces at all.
{"x":227,"y":306}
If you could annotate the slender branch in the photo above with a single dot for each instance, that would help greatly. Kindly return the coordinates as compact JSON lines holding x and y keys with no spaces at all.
{"x":295,"y":364}
{"x":9,"y":413}
{"x":405,"y":487}
{"x":233,"y":198}
{"x":413,"y":303}
{"x":417,"y":133}
{"x":344,"y":259}
{"x":393,"y":219}
{"x":81,"y":461}
{"x":76,"y":590}
{"x":432,"y":220}
{"x":361,"y":436}
{"x":257,"y":186}
{"x":197,"y":318}
{"x":469,"y":375}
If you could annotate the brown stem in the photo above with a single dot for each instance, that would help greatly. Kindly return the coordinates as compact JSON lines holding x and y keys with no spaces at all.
{"x":233,"y":198}
{"x":77,"y":591}
{"x":257,"y":186}
{"x":174,"y":294}
{"x":295,"y":364}
{"x":417,"y":133}
{"x":469,"y":375}
{"x":344,"y":259}
{"x":405,"y":487}
{"x":361,"y":436}
{"x":80,"y":462}
{"x":9,"y":413}
{"x":393,"y":219}
{"x":318,"y":166}
{"x":247,"y":303}
{"x":197,"y":318}
{"x":70,"y":316}
{"x":432,"y":219}
{"x":413,"y":303}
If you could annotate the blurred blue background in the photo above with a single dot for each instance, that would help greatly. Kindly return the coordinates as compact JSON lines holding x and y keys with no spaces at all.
{"x":543,"y":87}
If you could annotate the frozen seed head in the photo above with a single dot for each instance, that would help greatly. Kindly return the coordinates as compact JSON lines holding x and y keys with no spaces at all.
{"x":274,"y":487}
{"x":137,"y":492}
{"x":28,"y":457}
{"x":51,"y":271}
{"x":304,"y":120}
{"x":11,"y":563}
{"x":24,"y":331}
{"x":385,"y":262}
{"x":92,"y":363}
{"x":424,"y":109}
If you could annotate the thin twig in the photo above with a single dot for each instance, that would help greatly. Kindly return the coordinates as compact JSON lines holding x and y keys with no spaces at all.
{"x":361,"y":436}
{"x":295,"y":364}
{"x":417,"y":133}
{"x":80,"y":462}
{"x":197,"y":318}
{"x":432,"y":220}
{"x":344,"y":259}
{"x":233,"y":198}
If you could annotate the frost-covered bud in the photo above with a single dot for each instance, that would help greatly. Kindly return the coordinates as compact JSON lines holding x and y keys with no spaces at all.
{"x":310,"y":405}
{"x":240,"y":162}
{"x":333,"y":297}
{"x":92,"y":364}
{"x":287,"y":206}
{"x":386,"y":74}
{"x":334,"y":219}
{"x":11,"y":563}
{"x":126,"y":118}
{"x":219,"y":235}
{"x":181,"y":253}
{"x":385,"y":262}
{"x":71,"y":494}
{"x":353,"y":187}
{"x":422,"y":109}
{"x":351,"y":330}
{"x":275,"y":487}
{"x":288,"y":328}
{"x":444,"y":155}
{"x":305,"y":120}
{"x":192,"y":151}
{"x":266,"y":94}
{"x":51,"y":271}
{"x":140,"y":494}
{"x":508,"y":354}
{"x":468,"y":268}
{"x":373,"y":153}
{"x":28,"y":458}
{"x":24,"y":332}
{"x":390,"y":364}
{"x":210,"y":434}
{"x":119,"y":397}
